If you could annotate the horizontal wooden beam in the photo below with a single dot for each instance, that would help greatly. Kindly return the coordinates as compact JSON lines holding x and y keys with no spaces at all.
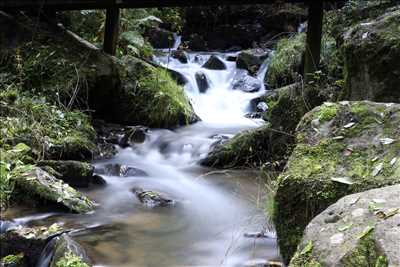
{"x":8,"y":5}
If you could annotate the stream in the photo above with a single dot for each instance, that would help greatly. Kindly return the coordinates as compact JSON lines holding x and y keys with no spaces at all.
{"x":217,"y":209}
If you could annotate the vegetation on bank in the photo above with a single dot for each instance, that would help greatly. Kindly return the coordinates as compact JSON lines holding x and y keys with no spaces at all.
{"x":71,"y":260}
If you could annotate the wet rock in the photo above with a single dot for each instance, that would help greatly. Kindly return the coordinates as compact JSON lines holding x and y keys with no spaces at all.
{"x":42,"y":185}
{"x":373,"y":76}
{"x":180,"y":55}
{"x":64,"y":247}
{"x":160,"y":38}
{"x":6,"y":226}
{"x":202,"y":81}
{"x":178,"y":77}
{"x":254,"y":115}
{"x":98,"y":180}
{"x":120,"y":170}
{"x":133,"y":135}
{"x":261,"y":234}
{"x":371,"y":239}
{"x":152,"y":199}
{"x":29,"y":241}
{"x":330,"y":157}
{"x":231,"y":58}
{"x":251,"y":60}
{"x":219,"y":139}
{"x":261,"y":107}
{"x":74,"y":173}
{"x":246,"y":83}
{"x":104,"y":150}
{"x":214,"y":63}
{"x":196,"y":42}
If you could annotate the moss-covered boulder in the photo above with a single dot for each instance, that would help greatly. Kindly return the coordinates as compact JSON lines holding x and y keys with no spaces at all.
{"x":27,"y":241}
{"x":42,"y":185}
{"x":372,"y":59}
{"x":67,"y":70}
{"x":74,"y":173}
{"x":358,"y":230}
{"x":286,"y":63}
{"x":149,"y":96}
{"x":341,"y":149}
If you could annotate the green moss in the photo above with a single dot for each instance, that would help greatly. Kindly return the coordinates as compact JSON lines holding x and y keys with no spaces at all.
{"x":366,"y":253}
{"x":13,"y":260}
{"x":71,"y":260}
{"x":304,"y":258}
{"x":155,"y":99}
{"x":13,"y":162}
{"x":50,"y":131}
{"x":306,"y":187}
{"x":327,"y":112}
{"x":285,"y":65}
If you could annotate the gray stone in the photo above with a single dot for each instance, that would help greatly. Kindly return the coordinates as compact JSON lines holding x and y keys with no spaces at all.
{"x":214,"y":63}
{"x":365,"y":240}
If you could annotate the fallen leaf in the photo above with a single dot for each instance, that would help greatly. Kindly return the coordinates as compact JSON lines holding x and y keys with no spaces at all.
{"x":349,"y":125}
{"x":386,"y":141}
{"x":366,"y":231}
{"x":343,"y":180}
{"x":308,"y":248}
{"x":377,"y":169}
{"x":345,"y":227}
{"x":393,"y":161}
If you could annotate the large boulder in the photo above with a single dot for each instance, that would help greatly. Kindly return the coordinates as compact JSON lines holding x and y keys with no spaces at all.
{"x":341,"y":149}
{"x":160,"y":38}
{"x":246,"y":83}
{"x":359,"y":230}
{"x":202,"y":81}
{"x":251,"y":60}
{"x":42,"y":185}
{"x":372,"y":59}
{"x":128,"y":91}
{"x":214,"y":63}
{"x":74,"y":173}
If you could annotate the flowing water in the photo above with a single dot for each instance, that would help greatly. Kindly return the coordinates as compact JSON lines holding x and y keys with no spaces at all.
{"x":216,"y":208}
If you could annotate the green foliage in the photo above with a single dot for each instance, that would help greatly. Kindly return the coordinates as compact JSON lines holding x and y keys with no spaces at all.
{"x":71,"y":260}
{"x":285,"y":65}
{"x":13,"y":162}
{"x":49,"y":131}
{"x":12,"y":260}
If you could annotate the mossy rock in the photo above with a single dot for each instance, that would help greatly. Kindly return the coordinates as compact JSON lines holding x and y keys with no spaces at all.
{"x":58,"y":64}
{"x":286,"y":63}
{"x":358,"y":230}
{"x":372,"y":59}
{"x":149,"y":96}
{"x":341,"y":149}
{"x":43,"y":186}
{"x":74,"y":173}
